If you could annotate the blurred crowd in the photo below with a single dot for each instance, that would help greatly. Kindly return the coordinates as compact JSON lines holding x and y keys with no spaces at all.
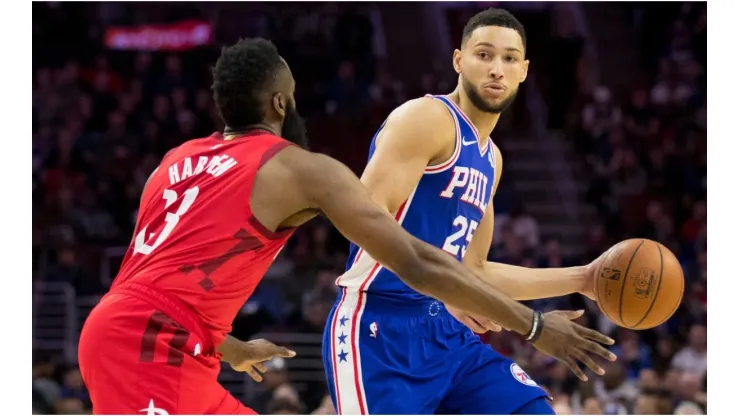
{"x":102,"y":120}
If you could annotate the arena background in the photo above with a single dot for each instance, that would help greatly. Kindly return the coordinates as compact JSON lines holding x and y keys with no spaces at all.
{"x":607,"y":140}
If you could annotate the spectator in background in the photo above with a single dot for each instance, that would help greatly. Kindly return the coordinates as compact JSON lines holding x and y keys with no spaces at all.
{"x":70,"y":406}
{"x":633,"y":353}
{"x":647,"y":403}
{"x":600,"y":115}
{"x":640,"y":120}
{"x":45,"y":390}
{"x":663,"y":354}
{"x":614,"y":390}
{"x":693,"y":358}
{"x":693,"y":226}
{"x":315,"y":310}
{"x":74,"y":388}
{"x":689,"y":386}
{"x":689,"y":408}
{"x":592,"y":406}
{"x":648,"y":380}
{"x":629,"y":177}
{"x":524,"y":225}
{"x":276,"y":377}
{"x":561,"y":406}
{"x":553,"y":255}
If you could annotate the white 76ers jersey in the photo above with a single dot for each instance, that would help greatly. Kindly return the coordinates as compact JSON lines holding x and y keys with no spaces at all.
{"x":444,"y":209}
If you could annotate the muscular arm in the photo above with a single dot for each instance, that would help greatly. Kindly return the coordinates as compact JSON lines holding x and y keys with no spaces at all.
{"x":521,"y":283}
{"x":313,"y":181}
{"x":417,"y":134}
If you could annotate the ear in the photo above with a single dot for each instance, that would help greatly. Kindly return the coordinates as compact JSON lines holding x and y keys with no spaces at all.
{"x":525,"y":70}
{"x":279,"y":104}
{"x":457,"y":60}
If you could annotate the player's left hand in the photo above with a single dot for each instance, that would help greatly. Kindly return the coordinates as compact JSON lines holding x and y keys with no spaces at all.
{"x":589,"y":277}
{"x":251,"y":356}
{"x":477,"y":324}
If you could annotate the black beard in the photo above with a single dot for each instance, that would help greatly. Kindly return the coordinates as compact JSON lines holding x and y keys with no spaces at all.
{"x":482,"y":105}
{"x":294,"y":127}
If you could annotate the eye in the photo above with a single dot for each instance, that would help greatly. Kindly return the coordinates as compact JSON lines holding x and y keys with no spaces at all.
{"x":483,"y":55}
{"x":510,"y":59}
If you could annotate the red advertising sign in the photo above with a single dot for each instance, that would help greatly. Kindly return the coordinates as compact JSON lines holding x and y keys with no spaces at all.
{"x":179,"y":36}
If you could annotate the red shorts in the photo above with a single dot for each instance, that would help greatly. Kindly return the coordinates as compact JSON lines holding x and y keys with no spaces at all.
{"x":136,"y":358}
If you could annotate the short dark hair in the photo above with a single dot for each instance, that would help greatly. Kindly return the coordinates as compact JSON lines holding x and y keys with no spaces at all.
{"x":494,"y":17}
{"x":243,"y":72}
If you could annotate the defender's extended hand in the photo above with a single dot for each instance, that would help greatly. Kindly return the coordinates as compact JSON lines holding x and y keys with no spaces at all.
{"x":567,"y":341}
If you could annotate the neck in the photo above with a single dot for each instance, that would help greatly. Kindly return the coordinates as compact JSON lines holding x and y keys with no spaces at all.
{"x":231,"y":132}
{"x":483,"y":121}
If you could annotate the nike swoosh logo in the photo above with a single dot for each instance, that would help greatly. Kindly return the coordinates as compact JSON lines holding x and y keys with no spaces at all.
{"x":468,"y":143}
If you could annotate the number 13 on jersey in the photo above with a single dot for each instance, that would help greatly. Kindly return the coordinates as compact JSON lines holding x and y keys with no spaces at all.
{"x":465,"y":228}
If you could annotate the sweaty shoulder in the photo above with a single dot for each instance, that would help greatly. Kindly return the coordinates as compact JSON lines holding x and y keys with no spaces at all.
{"x":420,"y":126}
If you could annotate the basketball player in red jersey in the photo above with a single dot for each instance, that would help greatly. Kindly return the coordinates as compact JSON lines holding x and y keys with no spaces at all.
{"x":212,"y":218}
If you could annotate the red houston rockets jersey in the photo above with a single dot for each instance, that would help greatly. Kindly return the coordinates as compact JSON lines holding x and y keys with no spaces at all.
{"x":196,"y":238}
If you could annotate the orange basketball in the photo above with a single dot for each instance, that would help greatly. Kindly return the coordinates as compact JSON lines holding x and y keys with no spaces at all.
{"x":639,"y":284}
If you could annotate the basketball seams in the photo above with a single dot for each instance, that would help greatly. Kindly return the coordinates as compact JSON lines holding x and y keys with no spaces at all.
{"x":624,"y":280}
{"x":678,"y":302}
{"x":657,"y":290}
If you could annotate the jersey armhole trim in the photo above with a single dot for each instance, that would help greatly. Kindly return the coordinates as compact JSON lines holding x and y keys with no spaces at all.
{"x":441,"y":167}
{"x":273,"y":150}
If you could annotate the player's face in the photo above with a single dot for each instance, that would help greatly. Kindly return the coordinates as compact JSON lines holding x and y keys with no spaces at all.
{"x":491,"y":65}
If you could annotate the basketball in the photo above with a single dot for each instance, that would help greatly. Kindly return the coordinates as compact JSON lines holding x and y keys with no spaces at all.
{"x":639,"y":284}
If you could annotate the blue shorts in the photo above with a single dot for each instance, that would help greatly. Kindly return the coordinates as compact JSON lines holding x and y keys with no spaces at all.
{"x":392,"y":356}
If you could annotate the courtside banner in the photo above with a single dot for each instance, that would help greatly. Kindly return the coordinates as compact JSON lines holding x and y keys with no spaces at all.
{"x":179,"y":36}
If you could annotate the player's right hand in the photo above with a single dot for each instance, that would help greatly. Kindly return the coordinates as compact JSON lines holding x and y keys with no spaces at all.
{"x":567,"y":341}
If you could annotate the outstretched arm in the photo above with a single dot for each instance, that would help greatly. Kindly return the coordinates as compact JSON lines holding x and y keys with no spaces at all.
{"x":521,"y":283}
{"x":325,"y":184}
{"x":310,"y":181}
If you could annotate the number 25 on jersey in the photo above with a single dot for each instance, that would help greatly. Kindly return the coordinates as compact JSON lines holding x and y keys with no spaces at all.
{"x":465,"y":227}
{"x":171,"y":220}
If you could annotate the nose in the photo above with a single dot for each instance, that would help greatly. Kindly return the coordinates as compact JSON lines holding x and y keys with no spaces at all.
{"x":496,"y":71}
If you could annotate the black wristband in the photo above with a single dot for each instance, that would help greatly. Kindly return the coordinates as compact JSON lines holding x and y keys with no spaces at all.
{"x":538,"y":324}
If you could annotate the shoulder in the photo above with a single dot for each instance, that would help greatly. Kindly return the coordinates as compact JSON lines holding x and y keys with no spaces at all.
{"x":424,"y":112}
{"x":290,"y":161}
{"x":422,"y":121}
